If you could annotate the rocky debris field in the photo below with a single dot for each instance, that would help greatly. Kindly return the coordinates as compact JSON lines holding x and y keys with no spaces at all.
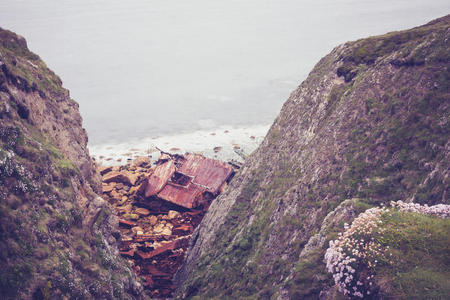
{"x":156,"y":232}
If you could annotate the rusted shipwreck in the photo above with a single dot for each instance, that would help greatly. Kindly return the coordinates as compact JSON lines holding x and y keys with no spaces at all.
{"x":190,"y":180}
{"x":159,"y":206}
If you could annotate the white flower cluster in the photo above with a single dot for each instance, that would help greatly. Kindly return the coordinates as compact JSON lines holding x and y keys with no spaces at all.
{"x":9,"y":136}
{"x":356,"y":248}
{"x":439,"y":210}
{"x":9,"y":167}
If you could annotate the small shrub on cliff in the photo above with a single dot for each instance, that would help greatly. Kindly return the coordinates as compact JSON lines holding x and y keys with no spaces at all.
{"x":354,"y":249}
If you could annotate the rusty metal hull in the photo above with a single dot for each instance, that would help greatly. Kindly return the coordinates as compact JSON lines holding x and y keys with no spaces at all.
{"x":159,"y":178}
{"x":207,"y":172}
{"x":183,"y":180}
{"x":188,"y":197}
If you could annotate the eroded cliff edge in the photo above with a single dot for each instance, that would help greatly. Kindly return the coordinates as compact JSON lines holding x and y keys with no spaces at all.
{"x":58,"y":238}
{"x":369,"y":125}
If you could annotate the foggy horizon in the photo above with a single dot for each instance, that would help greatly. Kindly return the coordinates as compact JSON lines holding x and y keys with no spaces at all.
{"x":151,"y":68}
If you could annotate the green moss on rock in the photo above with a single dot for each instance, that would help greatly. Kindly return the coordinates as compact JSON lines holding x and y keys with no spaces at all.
{"x":420,"y":256}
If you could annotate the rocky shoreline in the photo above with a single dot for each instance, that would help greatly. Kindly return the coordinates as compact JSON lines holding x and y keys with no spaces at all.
{"x":225,"y":143}
{"x":155,"y":232}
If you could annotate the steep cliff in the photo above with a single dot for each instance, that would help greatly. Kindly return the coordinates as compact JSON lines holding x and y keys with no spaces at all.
{"x":57,"y":237}
{"x":369,"y":125}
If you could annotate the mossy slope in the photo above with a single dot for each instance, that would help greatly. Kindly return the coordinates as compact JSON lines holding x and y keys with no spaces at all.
{"x":420,"y":258}
{"x":56,"y":234}
{"x":370,"y":123}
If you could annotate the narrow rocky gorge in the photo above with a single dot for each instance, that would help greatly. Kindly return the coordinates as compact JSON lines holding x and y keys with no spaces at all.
{"x":368,"y":127}
{"x":159,"y":207}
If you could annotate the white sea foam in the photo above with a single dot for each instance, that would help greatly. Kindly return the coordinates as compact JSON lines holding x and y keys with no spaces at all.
{"x":225,"y":143}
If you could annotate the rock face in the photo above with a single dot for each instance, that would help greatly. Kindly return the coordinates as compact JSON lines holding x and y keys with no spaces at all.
{"x":58,"y":239}
{"x":370,"y":124}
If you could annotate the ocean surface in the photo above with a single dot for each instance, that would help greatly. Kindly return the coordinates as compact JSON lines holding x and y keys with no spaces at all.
{"x":147,"y":69}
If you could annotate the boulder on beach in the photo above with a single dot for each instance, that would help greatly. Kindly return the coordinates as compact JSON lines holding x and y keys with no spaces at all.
{"x":120,"y":176}
{"x":141,"y":161}
{"x":104,"y":169}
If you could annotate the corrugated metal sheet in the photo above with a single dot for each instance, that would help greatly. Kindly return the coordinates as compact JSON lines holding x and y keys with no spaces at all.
{"x":207,"y":172}
{"x":159,"y":178}
{"x":183,"y":179}
{"x":186,"y":196}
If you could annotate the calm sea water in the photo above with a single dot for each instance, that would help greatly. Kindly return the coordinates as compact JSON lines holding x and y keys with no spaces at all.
{"x":143,"y":68}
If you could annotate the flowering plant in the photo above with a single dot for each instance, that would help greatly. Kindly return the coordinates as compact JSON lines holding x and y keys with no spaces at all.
{"x":353,"y":249}
{"x":9,"y":167}
{"x":439,"y":210}
{"x":354,"y":256}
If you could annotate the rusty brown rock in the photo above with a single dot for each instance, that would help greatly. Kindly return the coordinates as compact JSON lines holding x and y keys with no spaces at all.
{"x":178,"y":243}
{"x":120,"y":176}
{"x":173,"y":214}
{"x":107,"y":188}
{"x":153,"y":220}
{"x":142,"y":211}
{"x":129,"y":253}
{"x":125,"y":209}
{"x":125,"y":239}
{"x":115,"y":194}
{"x":155,"y":271}
{"x":142,"y":187}
{"x":182,"y":229}
{"x":133,"y":178}
{"x":147,"y":237}
{"x":137,"y":229}
{"x":159,"y":228}
{"x":126,"y":223}
{"x":131,"y":216}
{"x":104,"y":169}
{"x":141,"y":161}
{"x":166,"y":231}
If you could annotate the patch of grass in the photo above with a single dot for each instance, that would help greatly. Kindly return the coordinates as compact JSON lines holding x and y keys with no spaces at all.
{"x":24,"y":68}
{"x":12,"y":42}
{"x":420,"y":254}
{"x":67,"y":168}
{"x":367,"y":51}
{"x":309,"y":277}
{"x":348,"y":71}
{"x":410,"y":132}
{"x":16,"y":249}
{"x":335,"y":96}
